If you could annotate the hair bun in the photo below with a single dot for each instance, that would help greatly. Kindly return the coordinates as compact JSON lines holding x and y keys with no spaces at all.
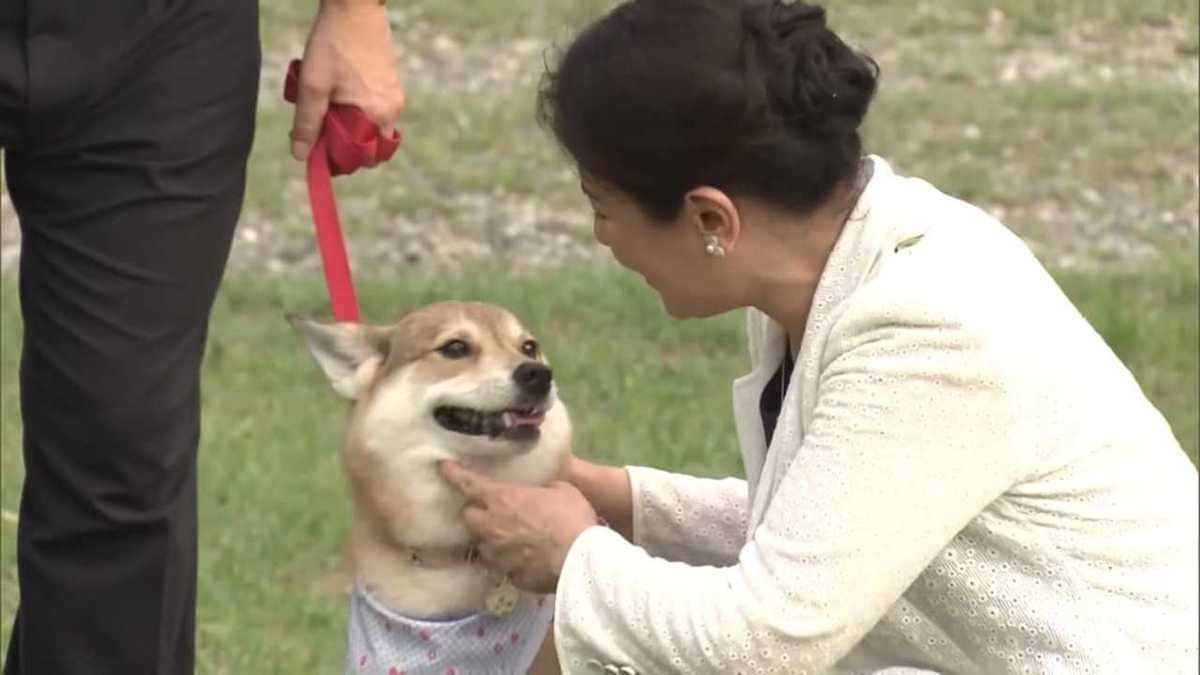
{"x":788,"y":17}
{"x":817,"y":84}
{"x":757,"y":98}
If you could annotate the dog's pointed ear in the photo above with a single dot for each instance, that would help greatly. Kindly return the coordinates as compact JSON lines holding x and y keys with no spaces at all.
{"x":350,"y":354}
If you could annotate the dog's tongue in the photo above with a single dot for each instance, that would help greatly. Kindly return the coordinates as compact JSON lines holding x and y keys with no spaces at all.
{"x":519,"y":419}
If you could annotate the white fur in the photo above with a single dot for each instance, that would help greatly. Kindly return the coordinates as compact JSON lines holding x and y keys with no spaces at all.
{"x":397,"y":428}
{"x":394,"y":445}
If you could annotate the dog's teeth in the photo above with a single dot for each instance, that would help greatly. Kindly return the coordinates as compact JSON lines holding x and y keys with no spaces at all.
{"x":507,"y":419}
{"x":494,"y":425}
{"x":462,"y":419}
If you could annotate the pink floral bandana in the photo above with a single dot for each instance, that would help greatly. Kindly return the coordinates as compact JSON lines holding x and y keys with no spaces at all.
{"x":381,"y":642}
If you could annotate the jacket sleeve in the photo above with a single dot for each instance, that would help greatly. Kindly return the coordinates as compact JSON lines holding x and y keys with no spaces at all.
{"x":913,"y":434}
{"x":699,"y":521}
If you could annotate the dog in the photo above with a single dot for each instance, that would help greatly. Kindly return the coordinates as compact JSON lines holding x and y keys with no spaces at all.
{"x":452,"y":380}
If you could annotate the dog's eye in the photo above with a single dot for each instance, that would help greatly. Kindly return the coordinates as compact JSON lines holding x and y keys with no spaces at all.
{"x":455,"y":349}
{"x":530,"y":349}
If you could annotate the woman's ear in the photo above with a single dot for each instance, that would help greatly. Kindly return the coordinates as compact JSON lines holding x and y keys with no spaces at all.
{"x":714,"y":217}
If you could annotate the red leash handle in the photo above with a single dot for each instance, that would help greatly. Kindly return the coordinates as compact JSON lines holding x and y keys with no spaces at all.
{"x":348,"y":142}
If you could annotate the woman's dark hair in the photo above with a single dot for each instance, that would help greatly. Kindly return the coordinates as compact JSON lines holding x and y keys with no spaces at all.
{"x":757,"y":98}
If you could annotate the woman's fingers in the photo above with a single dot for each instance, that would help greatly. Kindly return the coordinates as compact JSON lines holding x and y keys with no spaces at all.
{"x":474,"y":485}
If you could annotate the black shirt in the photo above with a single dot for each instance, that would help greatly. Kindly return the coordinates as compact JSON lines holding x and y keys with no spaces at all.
{"x":771,"y":401}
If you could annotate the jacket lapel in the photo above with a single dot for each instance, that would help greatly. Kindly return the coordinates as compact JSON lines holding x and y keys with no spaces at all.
{"x":766,"y":345}
{"x":869,"y":230}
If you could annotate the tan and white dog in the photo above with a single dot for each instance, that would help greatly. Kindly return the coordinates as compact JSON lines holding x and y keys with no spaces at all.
{"x":453,"y":380}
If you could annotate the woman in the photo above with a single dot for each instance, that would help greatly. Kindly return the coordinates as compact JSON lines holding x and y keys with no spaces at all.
{"x":947,"y":468}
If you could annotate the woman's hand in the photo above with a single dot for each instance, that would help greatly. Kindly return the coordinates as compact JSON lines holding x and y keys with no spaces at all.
{"x":523,"y":530}
{"x":607,"y":489}
{"x":349,"y":59}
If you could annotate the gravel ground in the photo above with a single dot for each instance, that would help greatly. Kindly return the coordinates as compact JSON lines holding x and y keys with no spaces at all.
{"x":529,"y":233}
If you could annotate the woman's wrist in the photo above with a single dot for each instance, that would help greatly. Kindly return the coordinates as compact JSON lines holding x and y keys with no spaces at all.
{"x":584,"y":475}
{"x":607,"y":488}
{"x":574,"y":471}
{"x":568,"y":532}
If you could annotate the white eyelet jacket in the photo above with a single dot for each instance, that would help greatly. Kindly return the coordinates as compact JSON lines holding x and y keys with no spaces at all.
{"x":964,"y":479}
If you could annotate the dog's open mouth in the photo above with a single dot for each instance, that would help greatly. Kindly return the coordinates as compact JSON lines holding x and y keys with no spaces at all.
{"x":520,"y":424}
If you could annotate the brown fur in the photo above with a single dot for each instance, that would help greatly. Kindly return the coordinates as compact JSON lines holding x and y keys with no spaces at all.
{"x":395,"y":508}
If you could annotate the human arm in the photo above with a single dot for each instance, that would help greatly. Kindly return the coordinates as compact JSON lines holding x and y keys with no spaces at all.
{"x":350,"y":59}
{"x":701,"y":521}
{"x":607,"y":488}
{"x":913,"y":434}
{"x":527,"y":530}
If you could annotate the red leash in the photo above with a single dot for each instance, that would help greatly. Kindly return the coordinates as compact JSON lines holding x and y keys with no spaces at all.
{"x":348,"y":142}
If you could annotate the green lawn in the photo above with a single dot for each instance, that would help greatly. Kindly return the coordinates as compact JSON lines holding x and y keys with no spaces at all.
{"x":644,"y":389}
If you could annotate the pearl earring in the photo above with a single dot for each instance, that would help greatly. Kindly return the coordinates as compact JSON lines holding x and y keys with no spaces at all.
{"x":712,"y":246}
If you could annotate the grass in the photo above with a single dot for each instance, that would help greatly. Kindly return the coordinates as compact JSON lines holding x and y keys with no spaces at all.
{"x":273,"y":506}
{"x":1150,"y":318}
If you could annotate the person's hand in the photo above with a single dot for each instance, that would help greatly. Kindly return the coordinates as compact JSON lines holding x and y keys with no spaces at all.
{"x":349,"y":59}
{"x":523,"y":530}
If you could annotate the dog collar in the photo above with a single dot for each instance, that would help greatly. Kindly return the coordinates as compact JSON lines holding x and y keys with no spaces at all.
{"x":502,"y":595}
{"x":436,"y":557}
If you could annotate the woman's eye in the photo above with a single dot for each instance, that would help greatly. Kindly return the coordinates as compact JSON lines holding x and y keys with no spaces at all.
{"x":455,"y":349}
{"x":530,"y":349}
{"x":596,"y":212}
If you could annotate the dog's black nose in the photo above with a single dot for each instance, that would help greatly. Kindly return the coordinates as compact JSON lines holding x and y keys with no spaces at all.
{"x":533,"y":378}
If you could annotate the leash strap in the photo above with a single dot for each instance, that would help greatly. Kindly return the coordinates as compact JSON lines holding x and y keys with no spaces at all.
{"x":349,"y":141}
{"x":329,"y":236}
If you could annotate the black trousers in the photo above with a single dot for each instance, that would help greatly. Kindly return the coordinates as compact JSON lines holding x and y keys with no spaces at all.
{"x":126,"y":126}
